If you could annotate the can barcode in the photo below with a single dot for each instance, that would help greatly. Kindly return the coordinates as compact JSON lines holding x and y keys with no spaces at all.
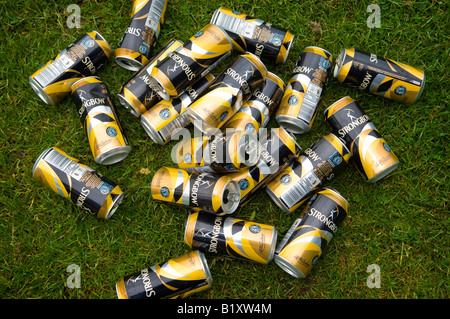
{"x":235,"y":25}
{"x":180,"y":122}
{"x":52,"y":71}
{"x":65,"y":164}
{"x":154,"y":15}
{"x":310,"y":103}
{"x":300,"y":189}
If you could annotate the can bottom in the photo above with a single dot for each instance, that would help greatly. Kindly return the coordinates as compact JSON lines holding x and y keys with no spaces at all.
{"x":274,"y":244}
{"x":421,"y":88}
{"x":114,"y":206}
{"x":293,"y":124}
{"x":128,"y":63}
{"x":113,"y":155}
{"x":127,"y":104}
{"x":151,"y":131}
{"x":383,"y":173}
{"x":120,"y":290}
{"x":288,"y":267}
{"x":40,"y":91}
{"x":277,"y":200}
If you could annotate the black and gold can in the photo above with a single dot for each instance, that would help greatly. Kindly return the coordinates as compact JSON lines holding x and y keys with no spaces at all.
{"x":53,"y":81}
{"x":77,"y":182}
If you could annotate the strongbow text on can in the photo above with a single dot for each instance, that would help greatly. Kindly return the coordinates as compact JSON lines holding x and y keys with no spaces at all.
{"x":136,"y":94}
{"x":277,"y":149}
{"x":256,"y":112}
{"x":53,"y":81}
{"x":79,"y":183}
{"x":198,"y":55}
{"x":384,"y":77}
{"x":303,"y":244}
{"x":212,"y":192}
{"x":269,"y":42}
{"x":370,"y":152}
{"x":231,"y":88}
{"x":224,"y":235}
{"x":319,"y":163}
{"x":304,"y":90}
{"x":163,"y":119}
{"x":136,"y":44}
{"x":96,"y":110}
{"x":177,"y":278}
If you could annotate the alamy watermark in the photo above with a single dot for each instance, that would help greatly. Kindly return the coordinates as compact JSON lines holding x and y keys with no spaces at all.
{"x":74,"y":280}
{"x":73,"y":20}
{"x":374,"y":279}
{"x":374,"y":20}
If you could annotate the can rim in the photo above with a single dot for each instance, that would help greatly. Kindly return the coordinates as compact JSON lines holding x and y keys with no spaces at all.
{"x":150,"y":130}
{"x":421,"y":88}
{"x":335,"y":192}
{"x":293,"y":137}
{"x":316,"y":47}
{"x":214,"y":16}
{"x":258,"y":60}
{"x":40,"y":157}
{"x":225,"y":33}
{"x":233,"y":187}
{"x":84,"y":78}
{"x":205,"y":267}
{"x":283,"y":119}
{"x":158,"y":87}
{"x":271,"y":74}
{"x":290,"y":45}
{"x":347,"y":96}
{"x":113,"y":155}
{"x":96,"y":32}
{"x":273,"y":246}
{"x":343,"y":144}
{"x":125,"y":103}
{"x":128,"y":63}
{"x":275,"y":198}
{"x":40,"y":91}
{"x":384,"y":173}
{"x":288,"y":267}
{"x":339,"y":62}
{"x":115,"y":205}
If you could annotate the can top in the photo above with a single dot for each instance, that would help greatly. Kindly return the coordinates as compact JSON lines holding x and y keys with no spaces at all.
{"x":40,"y":157}
{"x":256,"y":61}
{"x":85,"y":80}
{"x":231,"y":197}
{"x":341,"y":200}
{"x":106,"y":47}
{"x":322,"y":49}
{"x":339,"y":63}
{"x":341,"y":100}
{"x":276,"y":79}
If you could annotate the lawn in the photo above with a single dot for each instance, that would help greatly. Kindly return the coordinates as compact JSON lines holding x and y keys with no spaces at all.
{"x":399,"y":223}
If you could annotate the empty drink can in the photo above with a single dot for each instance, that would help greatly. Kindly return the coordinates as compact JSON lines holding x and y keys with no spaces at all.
{"x":304,"y":243}
{"x":77,"y":182}
{"x":269,"y":42}
{"x":224,"y":235}
{"x":177,"y":278}
{"x":53,"y":81}
{"x":96,"y":110}
{"x":304,"y":90}
{"x":384,"y":77}
{"x":135,"y":46}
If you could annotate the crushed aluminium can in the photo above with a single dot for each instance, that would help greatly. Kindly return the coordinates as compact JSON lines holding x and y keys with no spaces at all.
{"x":303,"y":244}
{"x":198,"y":56}
{"x":162,"y":120}
{"x":177,"y":278}
{"x":304,"y":90}
{"x":53,"y":81}
{"x":135,"y":46}
{"x":96,"y":110}
{"x":383,"y":77}
{"x":269,"y":42}
{"x":225,"y":96}
{"x":319,"y":163}
{"x":212,"y":192}
{"x":256,"y":112}
{"x":77,"y":182}
{"x":136,"y":94}
{"x":224,"y":235}
{"x":371,"y":155}
{"x":277,"y":149}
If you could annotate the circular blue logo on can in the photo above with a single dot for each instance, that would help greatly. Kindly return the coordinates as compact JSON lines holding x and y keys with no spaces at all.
{"x":277,"y":41}
{"x":285,"y":179}
{"x":165,"y":192}
{"x":89,"y":42}
{"x":143,"y":48}
{"x":386,"y":147}
{"x":292,"y":100}
{"x":199,"y":33}
{"x":164,"y":114}
{"x":111,"y":131}
{"x":400,"y":90}
{"x":254,"y":229}
{"x":235,"y":12}
{"x":188,"y":158}
{"x":243,"y":184}
{"x":250,"y":128}
{"x":106,"y":188}
{"x":223,"y":116}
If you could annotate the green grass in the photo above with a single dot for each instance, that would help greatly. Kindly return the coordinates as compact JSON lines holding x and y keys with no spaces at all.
{"x":400,"y":223}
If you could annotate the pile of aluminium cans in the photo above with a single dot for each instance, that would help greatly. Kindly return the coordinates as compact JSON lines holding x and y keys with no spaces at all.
{"x":234,"y":155}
